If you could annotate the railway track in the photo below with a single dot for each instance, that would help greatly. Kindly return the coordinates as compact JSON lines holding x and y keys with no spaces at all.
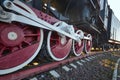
{"x":116,"y":73}
{"x":31,"y":70}
{"x":94,"y":67}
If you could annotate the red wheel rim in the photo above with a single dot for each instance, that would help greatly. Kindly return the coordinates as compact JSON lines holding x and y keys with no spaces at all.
{"x":58,"y":47}
{"x":78,"y":47}
{"x":19,"y":44}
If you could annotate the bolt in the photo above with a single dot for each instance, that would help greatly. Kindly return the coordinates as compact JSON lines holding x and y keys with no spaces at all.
{"x":9,"y":4}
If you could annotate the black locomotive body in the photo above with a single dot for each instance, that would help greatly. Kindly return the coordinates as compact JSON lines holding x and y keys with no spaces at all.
{"x":111,"y":27}
{"x":91,"y":16}
{"x":113,"y":30}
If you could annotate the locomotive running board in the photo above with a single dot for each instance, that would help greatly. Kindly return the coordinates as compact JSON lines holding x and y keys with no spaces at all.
{"x":27,"y":18}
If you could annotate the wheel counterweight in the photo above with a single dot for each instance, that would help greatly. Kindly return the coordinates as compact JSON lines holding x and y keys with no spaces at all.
{"x":19,"y":45}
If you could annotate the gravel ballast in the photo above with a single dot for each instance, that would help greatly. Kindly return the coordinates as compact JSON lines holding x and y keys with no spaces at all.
{"x":98,"y":67}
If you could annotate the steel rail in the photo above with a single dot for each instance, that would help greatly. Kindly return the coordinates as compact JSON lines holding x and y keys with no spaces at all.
{"x":21,"y":74}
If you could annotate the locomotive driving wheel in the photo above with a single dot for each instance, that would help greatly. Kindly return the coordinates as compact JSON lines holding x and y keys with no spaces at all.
{"x":58,"y":46}
{"x":78,"y":46}
{"x":88,"y":44}
{"x":19,"y":45}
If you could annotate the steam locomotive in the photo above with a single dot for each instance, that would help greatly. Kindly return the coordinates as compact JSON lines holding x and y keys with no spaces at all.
{"x":53,"y":28}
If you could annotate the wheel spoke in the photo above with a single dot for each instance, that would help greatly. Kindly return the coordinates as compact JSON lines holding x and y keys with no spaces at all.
{"x":26,"y":42}
{"x":31,"y":35}
{"x":14,"y":49}
{"x":25,"y":28}
{"x":1,"y":50}
{"x":55,"y":41}
{"x":20,"y":46}
{"x":52,"y":47}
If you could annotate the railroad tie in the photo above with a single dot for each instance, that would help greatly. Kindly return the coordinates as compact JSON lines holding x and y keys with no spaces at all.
{"x":54,"y":74}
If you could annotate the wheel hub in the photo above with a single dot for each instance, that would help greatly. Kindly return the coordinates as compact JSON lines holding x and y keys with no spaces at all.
{"x":16,"y":41}
{"x":12,"y":36}
{"x":63,"y":40}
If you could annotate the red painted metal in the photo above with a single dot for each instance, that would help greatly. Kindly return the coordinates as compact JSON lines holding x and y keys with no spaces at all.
{"x":79,"y":47}
{"x":11,"y":29}
{"x":45,"y":17}
{"x":58,"y":49}
{"x":14,"y":52}
{"x":26,"y":44}
{"x":30,"y":72}
{"x":88,"y":45}
{"x":17,"y":58}
{"x":17,"y":51}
